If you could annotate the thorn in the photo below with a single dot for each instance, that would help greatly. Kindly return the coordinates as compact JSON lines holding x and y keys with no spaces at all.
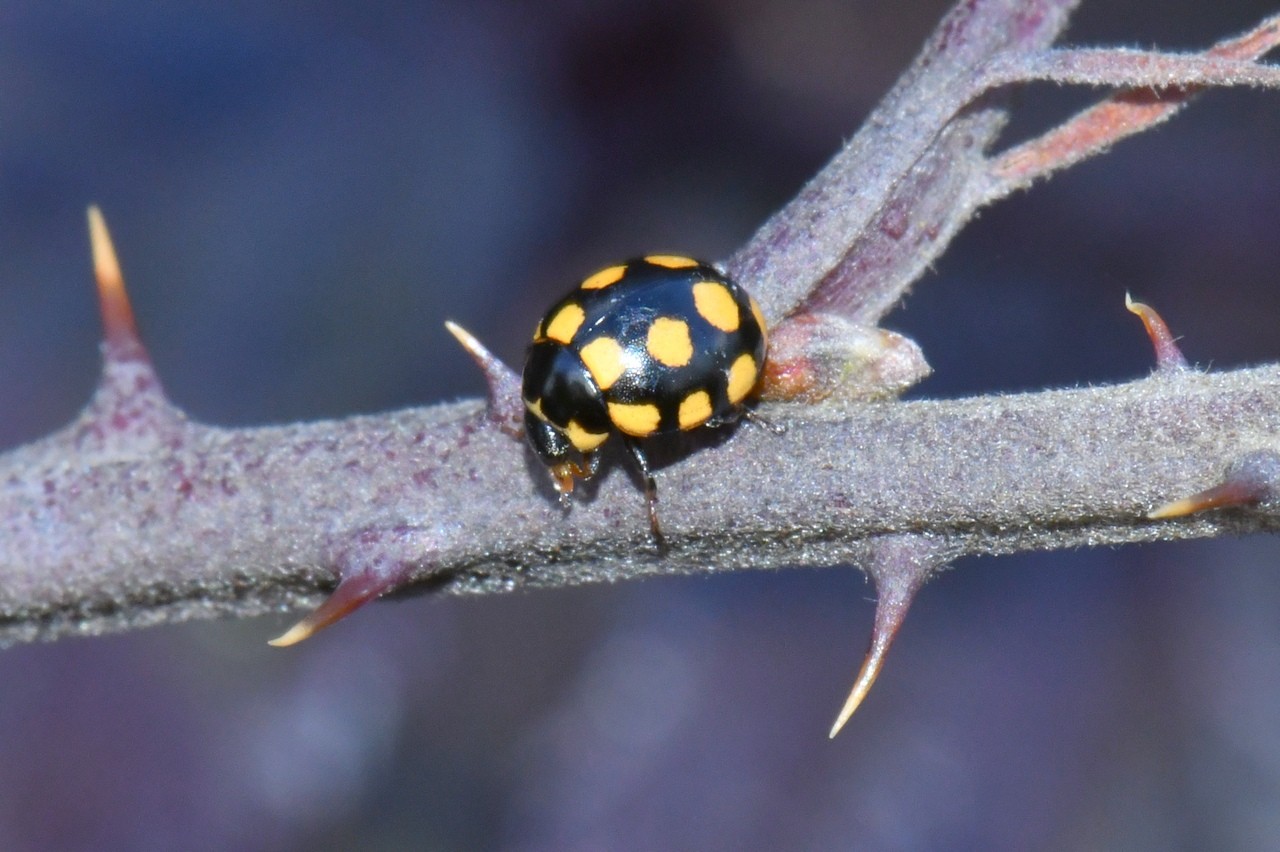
{"x":1168,"y":355}
{"x":891,"y":609}
{"x":351,"y":594}
{"x":120,"y":332}
{"x":1223,"y":494}
{"x":871,"y":665}
{"x":1251,"y":480}
{"x":899,"y":567}
{"x":129,"y":408}
{"x":370,"y":562}
{"x":504,"y":405}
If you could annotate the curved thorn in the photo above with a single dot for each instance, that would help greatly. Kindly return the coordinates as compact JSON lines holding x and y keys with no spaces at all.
{"x":899,"y":567}
{"x":351,"y":594}
{"x":891,"y":609}
{"x":1225,"y":494}
{"x":1253,"y":478}
{"x":871,"y":666}
{"x":1168,"y":355}
{"x":119,"y":329}
{"x":469,"y":342}
{"x":504,"y":405}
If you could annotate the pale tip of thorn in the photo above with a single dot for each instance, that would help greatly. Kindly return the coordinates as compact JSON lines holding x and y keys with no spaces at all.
{"x":295,"y":634}
{"x":1233,"y":492}
{"x":466,"y":338}
{"x":1175,"y":509}
{"x":1168,"y":355}
{"x":505,"y":407}
{"x":866,"y":678}
{"x":106,"y":267}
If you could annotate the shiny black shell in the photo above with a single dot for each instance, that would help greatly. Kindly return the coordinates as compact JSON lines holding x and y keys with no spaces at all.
{"x":656,"y":345}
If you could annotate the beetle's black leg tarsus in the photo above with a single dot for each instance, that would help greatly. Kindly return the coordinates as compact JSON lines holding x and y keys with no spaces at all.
{"x":650,"y":491}
{"x":590,"y":464}
{"x":756,"y":420}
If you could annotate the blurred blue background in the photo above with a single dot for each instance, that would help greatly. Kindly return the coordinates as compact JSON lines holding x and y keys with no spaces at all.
{"x":302,"y":193}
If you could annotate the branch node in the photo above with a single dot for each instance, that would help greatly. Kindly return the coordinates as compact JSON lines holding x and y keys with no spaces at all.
{"x":819,"y":356}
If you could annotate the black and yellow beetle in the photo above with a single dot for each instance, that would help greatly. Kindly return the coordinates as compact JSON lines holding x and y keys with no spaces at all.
{"x":656,"y":345}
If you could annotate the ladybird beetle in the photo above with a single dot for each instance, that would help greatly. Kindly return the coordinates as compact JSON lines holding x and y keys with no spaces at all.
{"x":656,"y":345}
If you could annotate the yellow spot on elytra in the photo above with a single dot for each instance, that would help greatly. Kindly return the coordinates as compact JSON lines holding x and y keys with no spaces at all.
{"x":742,"y":378}
{"x":603,"y":357}
{"x":638,"y":419}
{"x":603,"y":278}
{"x":695,"y":409}
{"x":755,"y":312}
{"x":669,"y":343}
{"x":582,"y":440}
{"x":535,"y":408}
{"x":565,"y":323}
{"x":715,"y":304}
{"x":671,"y":261}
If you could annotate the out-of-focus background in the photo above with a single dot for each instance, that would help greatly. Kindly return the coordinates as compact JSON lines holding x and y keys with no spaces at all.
{"x":302,"y":193}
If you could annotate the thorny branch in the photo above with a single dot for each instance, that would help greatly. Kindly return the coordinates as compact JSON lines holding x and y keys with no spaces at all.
{"x":134,"y":515}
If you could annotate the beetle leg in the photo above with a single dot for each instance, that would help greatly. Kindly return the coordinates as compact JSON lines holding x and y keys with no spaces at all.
{"x":756,"y":420}
{"x":650,"y":491}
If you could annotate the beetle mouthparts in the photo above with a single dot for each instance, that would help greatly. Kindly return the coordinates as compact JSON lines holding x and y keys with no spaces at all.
{"x":562,"y":475}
